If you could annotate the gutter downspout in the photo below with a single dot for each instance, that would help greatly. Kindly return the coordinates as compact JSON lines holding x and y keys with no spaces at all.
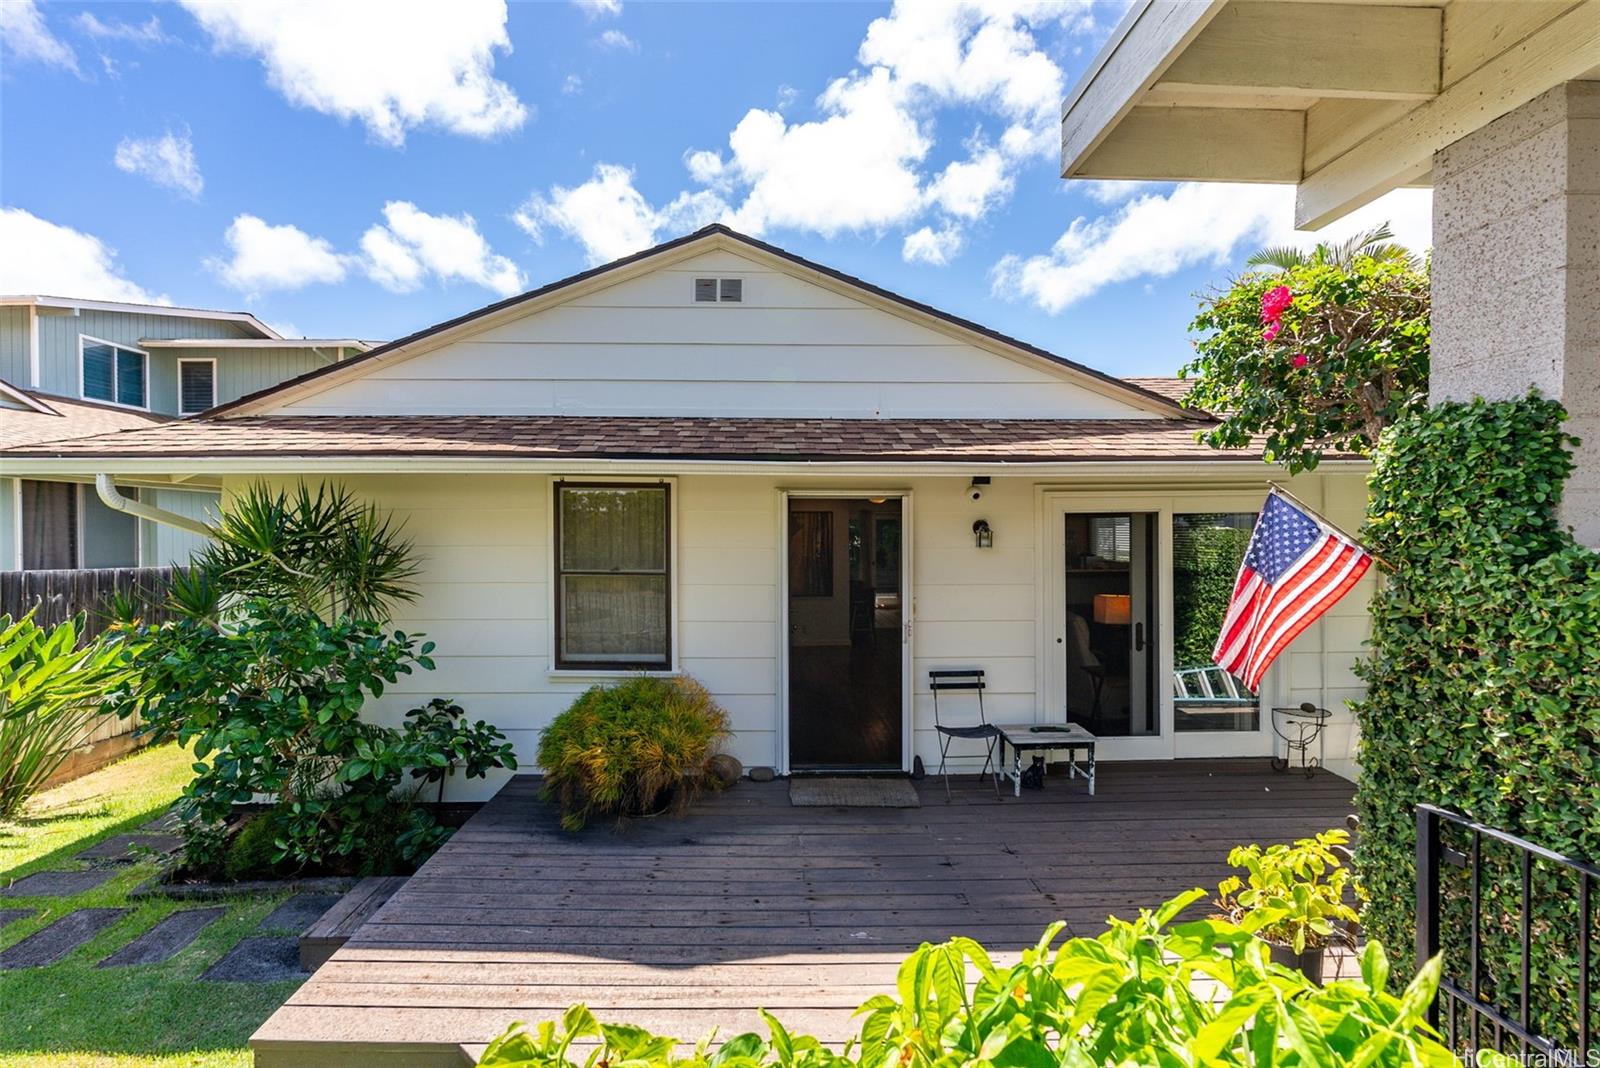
{"x":106,"y":487}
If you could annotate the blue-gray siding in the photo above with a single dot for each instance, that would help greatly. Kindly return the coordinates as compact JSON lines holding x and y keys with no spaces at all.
{"x":14,"y":345}
{"x":59,"y":370}
{"x":241,"y":371}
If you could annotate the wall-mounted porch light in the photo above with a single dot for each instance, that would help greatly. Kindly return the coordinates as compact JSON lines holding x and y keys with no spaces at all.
{"x":983,"y":534}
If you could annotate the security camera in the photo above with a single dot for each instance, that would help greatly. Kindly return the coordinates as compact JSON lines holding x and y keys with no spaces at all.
{"x":975,"y":490}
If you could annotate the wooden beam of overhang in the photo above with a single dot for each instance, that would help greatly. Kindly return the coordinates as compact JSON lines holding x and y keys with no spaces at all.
{"x":1255,"y":47}
{"x":1565,"y":49}
{"x":1201,"y":144}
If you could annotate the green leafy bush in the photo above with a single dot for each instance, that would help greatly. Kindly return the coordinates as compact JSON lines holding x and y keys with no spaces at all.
{"x":1482,"y":689}
{"x":1291,"y":895}
{"x":1128,"y":997}
{"x":49,"y":695}
{"x":631,"y":749}
{"x":1205,"y":563}
{"x":271,"y":704}
{"x":1322,"y":355}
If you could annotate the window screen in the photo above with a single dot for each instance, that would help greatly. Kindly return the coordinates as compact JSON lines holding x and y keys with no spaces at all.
{"x":115,"y":374}
{"x":612,"y":577}
{"x":197,"y":382}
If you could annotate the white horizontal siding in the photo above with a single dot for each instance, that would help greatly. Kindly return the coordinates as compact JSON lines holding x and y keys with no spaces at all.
{"x":642,"y":346}
{"x":485,"y":593}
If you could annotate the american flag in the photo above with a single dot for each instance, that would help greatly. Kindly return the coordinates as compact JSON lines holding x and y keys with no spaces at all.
{"x":1294,"y":570}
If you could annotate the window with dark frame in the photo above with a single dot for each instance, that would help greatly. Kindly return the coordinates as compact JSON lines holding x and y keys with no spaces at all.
{"x":197,"y":386}
{"x":613,"y":580}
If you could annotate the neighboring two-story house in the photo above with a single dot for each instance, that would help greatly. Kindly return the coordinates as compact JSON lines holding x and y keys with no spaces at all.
{"x":73,"y":368}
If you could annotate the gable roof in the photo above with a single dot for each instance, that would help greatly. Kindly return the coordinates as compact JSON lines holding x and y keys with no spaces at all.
{"x":39,"y":300}
{"x":253,"y":403}
{"x":570,"y":437}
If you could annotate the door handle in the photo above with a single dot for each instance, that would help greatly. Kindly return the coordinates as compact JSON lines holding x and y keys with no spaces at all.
{"x":1138,"y":637}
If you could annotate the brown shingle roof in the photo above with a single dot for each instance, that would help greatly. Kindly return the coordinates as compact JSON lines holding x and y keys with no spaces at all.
{"x":639,"y":437}
{"x":21,"y":427}
{"x":1174,"y":389}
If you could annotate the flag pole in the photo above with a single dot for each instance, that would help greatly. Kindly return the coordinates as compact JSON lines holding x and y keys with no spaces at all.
{"x":1278,"y":487}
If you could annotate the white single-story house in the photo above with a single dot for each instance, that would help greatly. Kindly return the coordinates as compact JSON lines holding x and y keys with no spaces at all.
{"x":715,"y":457}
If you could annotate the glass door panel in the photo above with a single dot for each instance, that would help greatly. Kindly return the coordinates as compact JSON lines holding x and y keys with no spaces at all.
{"x":1110,"y":641}
{"x":1206,"y":551}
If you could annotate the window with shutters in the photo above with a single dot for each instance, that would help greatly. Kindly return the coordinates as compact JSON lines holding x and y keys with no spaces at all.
{"x":197,"y":385}
{"x":613,"y":576}
{"x":114,"y":373}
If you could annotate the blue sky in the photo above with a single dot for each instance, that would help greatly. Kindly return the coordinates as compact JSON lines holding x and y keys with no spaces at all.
{"x":354,"y":169}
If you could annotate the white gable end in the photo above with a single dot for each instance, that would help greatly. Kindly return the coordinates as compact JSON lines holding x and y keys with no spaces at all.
{"x":790,"y":347}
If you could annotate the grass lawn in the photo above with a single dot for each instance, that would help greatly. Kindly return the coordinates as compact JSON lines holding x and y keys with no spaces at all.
{"x":74,"y":1014}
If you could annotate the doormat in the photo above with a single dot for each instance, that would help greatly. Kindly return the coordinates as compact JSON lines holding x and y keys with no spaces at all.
{"x":843,"y":792}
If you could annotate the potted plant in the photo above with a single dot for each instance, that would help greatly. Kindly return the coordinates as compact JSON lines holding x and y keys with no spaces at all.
{"x":1293,"y":897}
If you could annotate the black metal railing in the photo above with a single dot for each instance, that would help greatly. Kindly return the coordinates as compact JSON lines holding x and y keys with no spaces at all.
{"x":1486,"y":900}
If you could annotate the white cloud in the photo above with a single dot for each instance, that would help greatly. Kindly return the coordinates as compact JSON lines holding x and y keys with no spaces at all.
{"x":919,"y":61}
{"x":44,"y":258}
{"x":263,"y":257}
{"x":599,"y":9}
{"x":572,"y":85}
{"x":611,"y":218}
{"x":407,"y":64}
{"x":617,"y":40}
{"x":1155,"y":235}
{"x":927,"y":245}
{"x":412,"y":243}
{"x":967,"y":188}
{"x":26,"y":37}
{"x":166,"y":160}
{"x":148,"y":32}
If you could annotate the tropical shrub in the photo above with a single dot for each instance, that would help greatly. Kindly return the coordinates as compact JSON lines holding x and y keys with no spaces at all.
{"x":1321,"y":355}
{"x":631,"y":749}
{"x":322,"y":551}
{"x":1291,"y":895}
{"x":49,"y":695}
{"x":1482,"y":689}
{"x":1127,"y":997}
{"x":271,"y":703}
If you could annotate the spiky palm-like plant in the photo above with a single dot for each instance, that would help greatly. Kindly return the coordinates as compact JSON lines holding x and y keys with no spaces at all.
{"x":322,"y":550}
{"x":1377,"y":243}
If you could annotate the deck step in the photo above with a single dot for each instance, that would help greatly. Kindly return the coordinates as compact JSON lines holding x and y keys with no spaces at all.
{"x":334,"y":929}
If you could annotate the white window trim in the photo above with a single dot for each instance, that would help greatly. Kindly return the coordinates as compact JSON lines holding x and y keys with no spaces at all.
{"x":212,"y":360}
{"x":82,"y":338}
{"x":601,"y":674}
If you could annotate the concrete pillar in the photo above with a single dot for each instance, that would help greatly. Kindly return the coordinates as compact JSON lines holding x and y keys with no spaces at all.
{"x":1516,"y":271}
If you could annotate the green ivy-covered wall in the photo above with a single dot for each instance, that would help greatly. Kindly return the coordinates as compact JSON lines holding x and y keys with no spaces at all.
{"x":1484,"y":679}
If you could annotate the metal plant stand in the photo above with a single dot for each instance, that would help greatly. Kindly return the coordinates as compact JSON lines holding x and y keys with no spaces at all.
{"x":1299,"y":727}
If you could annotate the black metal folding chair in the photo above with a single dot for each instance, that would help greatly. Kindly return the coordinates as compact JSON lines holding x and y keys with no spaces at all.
{"x":970,"y":680}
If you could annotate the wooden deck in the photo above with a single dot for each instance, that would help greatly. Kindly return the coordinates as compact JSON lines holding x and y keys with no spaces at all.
{"x":685,"y":925}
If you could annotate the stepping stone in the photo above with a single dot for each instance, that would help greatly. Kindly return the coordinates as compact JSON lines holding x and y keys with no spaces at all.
{"x":299,"y":912}
{"x":60,"y":938}
{"x":165,"y":823}
{"x":57,"y":883}
{"x":127,"y":848}
{"x":258,"y":959}
{"x":161,"y":942}
{"x":13,"y":915}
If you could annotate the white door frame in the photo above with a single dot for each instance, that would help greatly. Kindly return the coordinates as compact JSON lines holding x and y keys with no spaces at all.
{"x":1054,"y":504}
{"x":907,"y":605}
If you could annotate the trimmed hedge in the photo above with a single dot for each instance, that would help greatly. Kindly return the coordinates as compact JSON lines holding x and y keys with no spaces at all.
{"x":1483,"y":682}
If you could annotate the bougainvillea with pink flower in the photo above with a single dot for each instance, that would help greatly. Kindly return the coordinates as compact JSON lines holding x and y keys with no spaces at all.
{"x":1315,"y":358}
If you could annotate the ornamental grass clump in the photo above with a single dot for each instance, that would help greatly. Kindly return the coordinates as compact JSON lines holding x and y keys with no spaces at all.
{"x":634,"y":749}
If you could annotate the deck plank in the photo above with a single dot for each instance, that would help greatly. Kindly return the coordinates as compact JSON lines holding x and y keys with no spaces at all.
{"x":685,"y":925}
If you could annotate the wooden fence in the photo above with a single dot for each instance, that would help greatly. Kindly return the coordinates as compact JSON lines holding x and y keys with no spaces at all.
{"x":54,"y":596}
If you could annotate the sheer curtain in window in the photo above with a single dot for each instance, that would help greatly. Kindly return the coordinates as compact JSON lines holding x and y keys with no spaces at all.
{"x":612,"y":576}
{"x":49,"y":525}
